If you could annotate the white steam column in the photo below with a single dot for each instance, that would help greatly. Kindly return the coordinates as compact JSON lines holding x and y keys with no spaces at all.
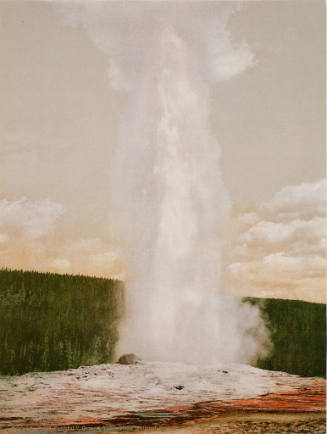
{"x":166,"y":180}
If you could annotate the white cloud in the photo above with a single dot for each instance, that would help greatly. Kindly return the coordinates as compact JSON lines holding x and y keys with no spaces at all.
{"x":28,"y":219}
{"x":269,"y":232}
{"x":83,"y":246}
{"x":307,"y":200}
{"x":105,"y":258}
{"x":60,"y":264}
{"x":3,"y":238}
{"x":288,"y":264}
{"x":248,"y":218}
{"x":282,"y":246}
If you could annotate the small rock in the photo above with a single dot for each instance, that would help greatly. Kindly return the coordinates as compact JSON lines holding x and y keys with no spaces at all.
{"x":128,"y":359}
{"x":179,"y":387}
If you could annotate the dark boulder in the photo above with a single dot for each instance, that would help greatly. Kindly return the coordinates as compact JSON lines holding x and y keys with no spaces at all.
{"x":128,"y":359}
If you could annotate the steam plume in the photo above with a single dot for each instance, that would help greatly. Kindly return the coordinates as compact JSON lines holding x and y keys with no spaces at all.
{"x":166,"y":178}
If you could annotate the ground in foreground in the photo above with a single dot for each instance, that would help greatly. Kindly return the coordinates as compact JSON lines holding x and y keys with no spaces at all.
{"x":163,"y":397}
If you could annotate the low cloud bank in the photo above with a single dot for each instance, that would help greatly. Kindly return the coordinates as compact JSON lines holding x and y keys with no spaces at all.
{"x":27,"y":219}
{"x":279,"y":250}
{"x":33,"y":237}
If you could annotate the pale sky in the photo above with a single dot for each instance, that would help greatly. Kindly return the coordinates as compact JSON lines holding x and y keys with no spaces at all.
{"x":59,"y":127}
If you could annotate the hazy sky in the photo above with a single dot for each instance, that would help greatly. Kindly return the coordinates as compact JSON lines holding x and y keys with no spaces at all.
{"x":59,"y":126}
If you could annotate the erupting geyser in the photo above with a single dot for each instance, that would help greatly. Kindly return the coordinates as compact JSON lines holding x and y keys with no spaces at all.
{"x":166,"y":178}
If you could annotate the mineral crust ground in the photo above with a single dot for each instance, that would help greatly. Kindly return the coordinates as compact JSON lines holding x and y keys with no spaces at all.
{"x":163,"y":397}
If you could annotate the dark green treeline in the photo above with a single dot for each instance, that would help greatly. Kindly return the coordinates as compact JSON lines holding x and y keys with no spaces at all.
{"x":53,"y":322}
{"x":298,"y":334}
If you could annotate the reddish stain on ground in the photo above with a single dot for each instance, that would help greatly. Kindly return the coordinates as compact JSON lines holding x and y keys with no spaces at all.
{"x":304,"y":399}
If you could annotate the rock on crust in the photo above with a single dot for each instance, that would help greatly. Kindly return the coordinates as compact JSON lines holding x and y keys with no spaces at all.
{"x":128,"y":359}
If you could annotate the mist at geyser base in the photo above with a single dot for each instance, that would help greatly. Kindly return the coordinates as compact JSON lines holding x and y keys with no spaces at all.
{"x":166,"y":179}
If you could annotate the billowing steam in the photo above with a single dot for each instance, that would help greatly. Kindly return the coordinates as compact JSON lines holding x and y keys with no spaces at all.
{"x":166,"y":178}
